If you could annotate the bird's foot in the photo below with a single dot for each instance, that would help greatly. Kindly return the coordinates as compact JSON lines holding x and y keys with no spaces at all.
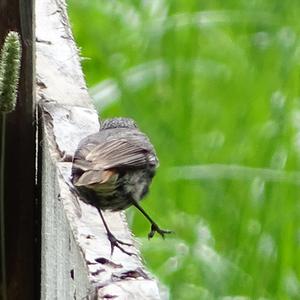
{"x":114,"y":242}
{"x":155,"y":228}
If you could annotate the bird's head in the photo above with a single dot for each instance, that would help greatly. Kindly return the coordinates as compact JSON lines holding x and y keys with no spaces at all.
{"x":118,"y":123}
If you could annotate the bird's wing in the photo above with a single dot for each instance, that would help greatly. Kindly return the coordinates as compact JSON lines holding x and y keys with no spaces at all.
{"x":121,"y":153}
{"x":97,"y":165}
{"x":91,"y":177}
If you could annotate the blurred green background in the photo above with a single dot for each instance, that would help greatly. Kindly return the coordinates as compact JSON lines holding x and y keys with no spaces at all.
{"x":215,"y":84}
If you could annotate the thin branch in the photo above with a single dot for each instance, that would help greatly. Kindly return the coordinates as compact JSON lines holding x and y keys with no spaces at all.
{"x":2,"y":214}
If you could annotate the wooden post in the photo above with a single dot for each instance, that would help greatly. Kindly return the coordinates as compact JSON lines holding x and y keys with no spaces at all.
{"x":76,"y":260}
{"x":21,"y":212}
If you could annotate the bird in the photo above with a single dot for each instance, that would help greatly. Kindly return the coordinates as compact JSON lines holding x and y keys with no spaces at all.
{"x":113,"y":169}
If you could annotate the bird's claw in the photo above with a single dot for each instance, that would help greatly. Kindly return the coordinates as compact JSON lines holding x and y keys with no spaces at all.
{"x":155,"y":228}
{"x":114,"y":242}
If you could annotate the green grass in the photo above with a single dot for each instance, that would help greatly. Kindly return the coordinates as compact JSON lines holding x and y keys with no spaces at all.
{"x":213,"y":83}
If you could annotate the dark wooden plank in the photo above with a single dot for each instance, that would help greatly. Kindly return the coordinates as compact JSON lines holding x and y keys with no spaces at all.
{"x":20,"y":195}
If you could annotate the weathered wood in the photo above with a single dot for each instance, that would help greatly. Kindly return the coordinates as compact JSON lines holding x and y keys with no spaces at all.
{"x":21,"y":214}
{"x":76,"y":260}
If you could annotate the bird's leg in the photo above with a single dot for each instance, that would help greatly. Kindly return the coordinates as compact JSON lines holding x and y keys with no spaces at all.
{"x":114,"y":242}
{"x":154,"y":226}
